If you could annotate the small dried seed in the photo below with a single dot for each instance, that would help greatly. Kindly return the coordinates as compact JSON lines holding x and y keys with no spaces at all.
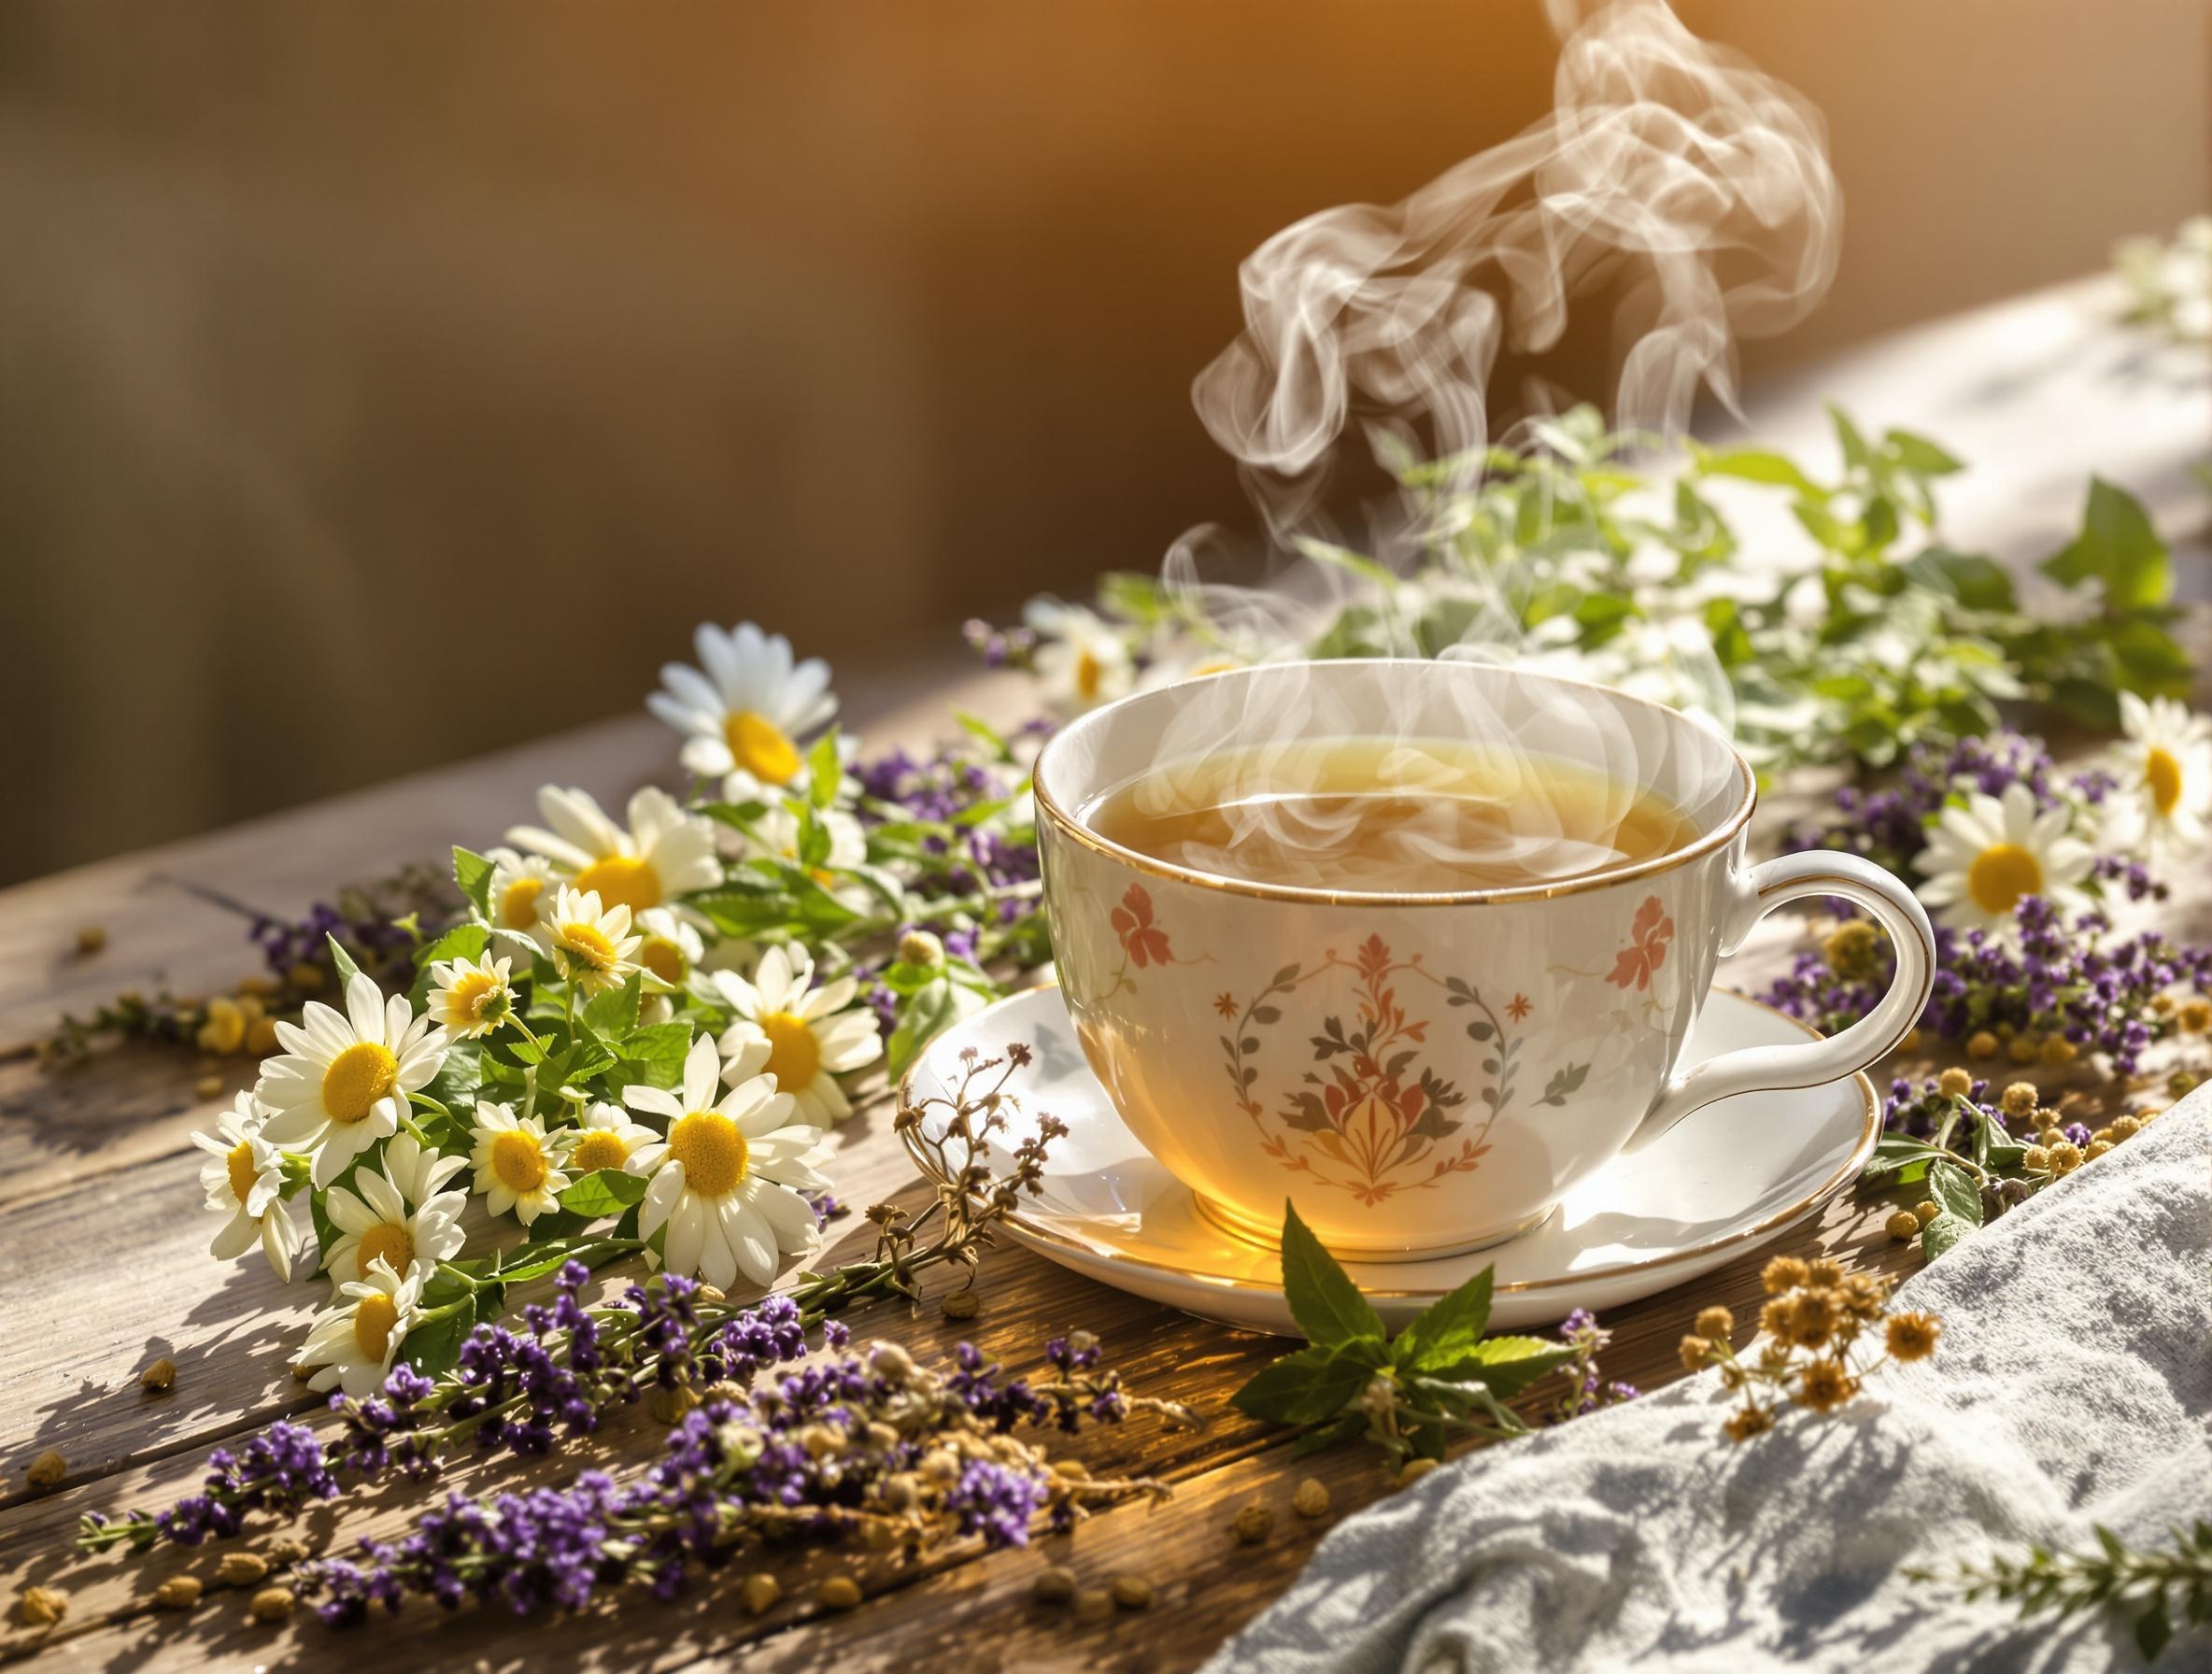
{"x":1925,"y":1211}
{"x":1093,"y":1604}
{"x":1132,"y":1592}
{"x":711,"y":1296}
{"x":1071,"y":1470}
{"x":241,"y":1568}
{"x":1056,"y":1586}
{"x":961,"y":1304}
{"x":1414,"y":1470}
{"x":41,"y":1606}
{"x":1904,"y":1226}
{"x":288,"y":1550}
{"x":47,"y":1470}
{"x":759,"y":1593}
{"x":179,"y":1593}
{"x":158,"y":1376}
{"x":272,"y":1604}
{"x":838,"y":1593}
{"x":1254,"y":1524}
{"x":1311,"y":1498}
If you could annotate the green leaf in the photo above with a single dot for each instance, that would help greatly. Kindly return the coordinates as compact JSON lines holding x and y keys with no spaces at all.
{"x":1955,"y":1192}
{"x":472,"y":872}
{"x":601,"y":1193}
{"x":921,"y":1015}
{"x":1946,"y":1230}
{"x":347,"y":968}
{"x":1508,"y":1364}
{"x":539,"y":1260}
{"x":1345,"y":1429}
{"x":986,"y":734}
{"x":1448,"y":1330}
{"x":1973,"y":581}
{"x":825,"y":770}
{"x":2119,"y":548}
{"x":2153,"y":1629}
{"x":1856,"y":454}
{"x":1342,"y":558}
{"x":613,"y":1011}
{"x":655,"y":1054}
{"x":1323,"y":1300}
{"x":1751,"y":464}
{"x":1312,"y":1386}
{"x":1919,"y":455}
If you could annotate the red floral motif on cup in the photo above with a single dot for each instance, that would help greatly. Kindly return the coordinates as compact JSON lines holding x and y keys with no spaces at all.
{"x":1143,"y":942}
{"x":1648,"y":937}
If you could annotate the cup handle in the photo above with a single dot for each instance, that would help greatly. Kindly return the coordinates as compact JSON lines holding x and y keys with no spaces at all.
{"x":1760,"y":1069}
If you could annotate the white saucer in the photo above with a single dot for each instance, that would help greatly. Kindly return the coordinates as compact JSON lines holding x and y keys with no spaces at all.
{"x":1728,"y":1179}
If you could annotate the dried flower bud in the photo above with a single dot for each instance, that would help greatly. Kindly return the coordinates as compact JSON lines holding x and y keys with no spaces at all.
{"x":1774,"y":1314}
{"x":1821,"y":1271}
{"x":1132,"y":1592}
{"x":1071,"y":1469}
{"x":961,"y":1304}
{"x":2019,"y":1100}
{"x":1955,"y":1083}
{"x":1714,"y":1322}
{"x":1693,"y":1351}
{"x":2066,"y":1156}
{"x":821,"y":1440}
{"x":47,"y":1470}
{"x":1784,"y":1272}
{"x":41,"y":1606}
{"x":2037,"y":1159}
{"x":1926,"y":1210}
{"x":1981,"y":1043}
{"x":179,"y":1593}
{"x":890,"y":1362}
{"x":2095,"y":1149}
{"x":758,"y":1592}
{"x":1851,"y":949}
{"x":1054,"y":1585}
{"x":710,"y":1295}
{"x":2124,"y":1128}
{"x":920,"y":947}
{"x":2053,"y":1135}
{"x":158,"y":1376}
{"x":2024,"y":1049}
{"x":1311,"y":1498}
{"x":1904,"y":1226}
{"x":1912,"y":1336}
{"x":1380,"y":1396}
{"x":2195,"y":1015}
{"x":1093,"y":1604}
{"x":1750,"y":1422}
{"x":1254,"y":1524}
{"x":272,"y":1604}
{"x":288,"y":1550}
{"x":940,"y":1465}
{"x":241,"y":1568}
{"x":838,"y":1593}
{"x":2058,"y":1052}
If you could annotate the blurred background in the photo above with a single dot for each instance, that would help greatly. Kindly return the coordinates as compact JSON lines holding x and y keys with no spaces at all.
{"x":382,"y":385}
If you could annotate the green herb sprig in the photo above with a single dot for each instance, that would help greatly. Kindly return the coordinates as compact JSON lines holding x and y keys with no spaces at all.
{"x":2150,"y":1586}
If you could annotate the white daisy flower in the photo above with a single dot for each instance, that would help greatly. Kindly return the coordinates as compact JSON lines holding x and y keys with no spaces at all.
{"x":605,"y":1137}
{"x":354,"y":1341}
{"x":803,"y":1036}
{"x":473,"y":997}
{"x":749,"y":711}
{"x":2165,"y":771}
{"x":726,"y":1180}
{"x":775,"y":836}
{"x":669,"y":946}
{"x":245,"y":1181}
{"x":522,"y":887}
{"x":396,"y":1214}
{"x":518,"y":1165}
{"x":1981,"y":858}
{"x":1081,"y":661}
{"x":661,"y":854}
{"x":344,"y":1077}
{"x":590,"y":947}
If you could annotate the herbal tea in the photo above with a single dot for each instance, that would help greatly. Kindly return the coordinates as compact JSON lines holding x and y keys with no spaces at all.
{"x":1389,"y":817}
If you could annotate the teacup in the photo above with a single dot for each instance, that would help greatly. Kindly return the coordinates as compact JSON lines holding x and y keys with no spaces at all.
{"x":1423,"y":1073}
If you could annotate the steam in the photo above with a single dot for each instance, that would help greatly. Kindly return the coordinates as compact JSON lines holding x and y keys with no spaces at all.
{"x":1708,"y":179}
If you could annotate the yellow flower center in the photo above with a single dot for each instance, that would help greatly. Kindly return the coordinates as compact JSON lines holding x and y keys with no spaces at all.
{"x":664,"y":959}
{"x":374,"y":1319}
{"x":2163,"y":773}
{"x":622,"y":880}
{"x":385,"y":1241}
{"x":1087,"y":674}
{"x":242,"y":1172}
{"x":2001,"y":874}
{"x":713,"y":1151}
{"x":357,"y":1078}
{"x":586,"y":945}
{"x":477,"y":998}
{"x":793,"y":1053}
{"x":600,"y":1149}
{"x":518,"y":902}
{"x":762,"y":747}
{"x":519,"y":1161}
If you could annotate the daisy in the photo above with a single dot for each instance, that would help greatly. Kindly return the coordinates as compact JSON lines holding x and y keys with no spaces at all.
{"x":726,"y":1182}
{"x":775,"y":836}
{"x":345,"y":1076}
{"x":748,"y":713}
{"x":2165,"y":771}
{"x":669,"y":946}
{"x":473,"y":997}
{"x":590,"y":948}
{"x":661,"y":854}
{"x":519,"y":1167}
{"x":353,"y":1342}
{"x":522,"y":887}
{"x":804,"y":1039}
{"x":1981,"y":858}
{"x":245,"y":1180}
{"x":605,"y":1138}
{"x":396,"y":1215}
{"x":1081,"y":661}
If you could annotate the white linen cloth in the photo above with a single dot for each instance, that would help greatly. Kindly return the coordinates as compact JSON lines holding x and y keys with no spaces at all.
{"x":2073,"y":1386}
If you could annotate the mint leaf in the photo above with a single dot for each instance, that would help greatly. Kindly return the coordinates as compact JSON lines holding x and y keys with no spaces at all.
{"x":655,"y":1054}
{"x":1448,"y":1330}
{"x":1941,"y":1234}
{"x":1751,"y":464}
{"x":825,"y":770}
{"x":472,"y":872}
{"x":1919,"y":455}
{"x":921,"y":1015}
{"x":1508,"y":1364}
{"x":2119,"y":548}
{"x":613,"y":1011}
{"x":346,"y":967}
{"x":603,"y":1192}
{"x":1312,"y":1384}
{"x":1323,"y":1300}
{"x":1955,"y":1192}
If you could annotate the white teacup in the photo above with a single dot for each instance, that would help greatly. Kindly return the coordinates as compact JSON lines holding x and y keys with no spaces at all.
{"x":1422,"y":1073}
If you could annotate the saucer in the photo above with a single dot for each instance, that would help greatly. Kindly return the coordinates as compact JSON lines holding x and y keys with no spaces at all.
{"x":1724,"y":1180}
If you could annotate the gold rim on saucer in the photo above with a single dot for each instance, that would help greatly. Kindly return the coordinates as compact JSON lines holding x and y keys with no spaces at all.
{"x":1870,"y":1131}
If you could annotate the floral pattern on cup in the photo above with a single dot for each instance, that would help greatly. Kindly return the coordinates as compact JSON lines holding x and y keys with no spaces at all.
{"x":1370,"y":1117}
{"x":1647,"y":939}
{"x":1143,"y":942}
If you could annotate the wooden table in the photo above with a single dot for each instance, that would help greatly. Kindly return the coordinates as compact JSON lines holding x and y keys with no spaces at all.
{"x":103,"y":1269}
